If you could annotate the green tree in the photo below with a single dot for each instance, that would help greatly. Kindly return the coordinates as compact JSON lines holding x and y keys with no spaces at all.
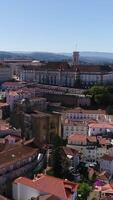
{"x":102,"y":95}
{"x":56,"y":162}
{"x":58,"y":141}
{"x":83,"y":191}
{"x":103,"y":99}
{"x":109,"y":110}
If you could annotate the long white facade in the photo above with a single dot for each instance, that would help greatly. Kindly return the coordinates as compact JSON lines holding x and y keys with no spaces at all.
{"x":67,"y":77}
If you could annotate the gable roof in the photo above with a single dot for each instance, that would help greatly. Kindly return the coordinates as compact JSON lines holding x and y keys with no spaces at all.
{"x":50,"y":185}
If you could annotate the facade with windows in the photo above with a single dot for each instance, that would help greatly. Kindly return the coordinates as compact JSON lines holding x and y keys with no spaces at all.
{"x":91,"y":148}
{"x":100,"y":128}
{"x":63,"y":74}
{"x":15,"y":162}
{"x":78,"y":114}
{"x":72,"y":127}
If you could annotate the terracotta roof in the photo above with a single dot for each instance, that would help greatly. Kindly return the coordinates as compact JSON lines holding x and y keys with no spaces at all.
{"x":75,"y":137}
{"x":104,"y":141}
{"x":50,"y":185}
{"x":7,"y":84}
{"x":84,"y":111}
{"x":82,"y":138}
{"x":103,"y":175}
{"x":107,"y":188}
{"x":107,"y":157}
{"x":75,"y":123}
{"x":94,"y":68}
{"x":78,"y":137}
{"x":48,"y":66}
{"x":92,"y":138}
{"x":100,"y":125}
{"x":14,"y":154}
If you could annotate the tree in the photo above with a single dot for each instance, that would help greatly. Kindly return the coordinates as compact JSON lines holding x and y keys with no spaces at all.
{"x":56,"y":162}
{"x":109,"y":110}
{"x":58,"y":141}
{"x":102,"y":95}
{"x":83,"y":191}
{"x":103,"y":99}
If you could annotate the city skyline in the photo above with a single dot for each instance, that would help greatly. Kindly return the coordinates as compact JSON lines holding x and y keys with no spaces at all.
{"x":56,"y":26}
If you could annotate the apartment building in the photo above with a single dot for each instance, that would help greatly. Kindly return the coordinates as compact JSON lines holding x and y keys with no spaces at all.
{"x":106,"y":163}
{"x":15,"y":161}
{"x":70,"y":127}
{"x":78,"y":114}
{"x":92,"y":148}
{"x":100,"y":128}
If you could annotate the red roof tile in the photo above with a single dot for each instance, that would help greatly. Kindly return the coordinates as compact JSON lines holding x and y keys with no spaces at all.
{"x":51,"y":185}
{"x":107,"y":157}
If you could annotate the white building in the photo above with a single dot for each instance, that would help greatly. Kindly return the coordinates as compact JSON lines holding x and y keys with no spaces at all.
{"x":78,"y":114}
{"x":106,"y":163}
{"x":90,"y":147}
{"x":24,"y":188}
{"x":61,"y":73}
{"x":70,"y":127}
{"x":88,"y":78}
{"x":100,"y":128}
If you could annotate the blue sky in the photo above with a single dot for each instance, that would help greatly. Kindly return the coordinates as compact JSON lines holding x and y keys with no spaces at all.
{"x":56,"y":25}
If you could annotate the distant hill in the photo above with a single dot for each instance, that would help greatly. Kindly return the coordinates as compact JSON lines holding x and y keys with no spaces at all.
{"x":33,"y":56}
{"x":85,"y":57}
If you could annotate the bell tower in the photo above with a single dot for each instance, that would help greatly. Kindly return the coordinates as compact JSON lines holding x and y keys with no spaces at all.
{"x":76,"y":58}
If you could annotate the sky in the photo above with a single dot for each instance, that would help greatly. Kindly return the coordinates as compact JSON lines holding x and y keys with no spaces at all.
{"x":56,"y":25}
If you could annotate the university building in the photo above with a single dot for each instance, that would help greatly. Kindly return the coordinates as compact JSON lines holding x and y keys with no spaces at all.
{"x":66,"y":75}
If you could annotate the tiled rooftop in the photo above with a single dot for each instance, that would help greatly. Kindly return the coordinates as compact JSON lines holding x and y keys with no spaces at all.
{"x":84,"y":111}
{"x":14,"y":154}
{"x":50,"y":185}
{"x":107,"y":157}
{"x":101,"y":125}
